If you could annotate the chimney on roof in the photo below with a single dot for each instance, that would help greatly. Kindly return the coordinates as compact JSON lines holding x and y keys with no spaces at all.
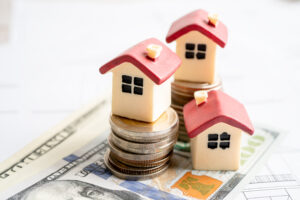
{"x":153,"y":51}
{"x":200,"y":97}
{"x":213,"y":19}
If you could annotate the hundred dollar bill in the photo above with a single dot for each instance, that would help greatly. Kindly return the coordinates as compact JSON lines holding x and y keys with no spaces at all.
{"x":71,"y":134}
{"x":83,"y":175}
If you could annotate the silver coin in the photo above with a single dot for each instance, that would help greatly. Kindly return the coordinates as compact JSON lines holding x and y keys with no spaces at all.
{"x":182,"y":131}
{"x":149,"y":163}
{"x":127,"y":176}
{"x":183,"y":138}
{"x":180,"y":100}
{"x":130,"y":169}
{"x":138,"y":157}
{"x":133,"y":130}
{"x":181,"y":123}
{"x":143,"y":148}
{"x":177,"y":108}
{"x":190,"y":87}
{"x":181,"y":118}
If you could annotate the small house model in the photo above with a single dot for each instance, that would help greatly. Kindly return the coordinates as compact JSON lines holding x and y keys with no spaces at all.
{"x":215,"y":127}
{"x":197,"y":35}
{"x":141,"y":87}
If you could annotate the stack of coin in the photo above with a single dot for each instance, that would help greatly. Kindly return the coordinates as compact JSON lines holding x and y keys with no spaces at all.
{"x":182,"y":93}
{"x":140,"y":150}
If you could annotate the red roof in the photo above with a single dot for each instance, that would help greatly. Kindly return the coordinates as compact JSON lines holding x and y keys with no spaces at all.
{"x":219,"y":107}
{"x":158,"y":70}
{"x":198,"y":21}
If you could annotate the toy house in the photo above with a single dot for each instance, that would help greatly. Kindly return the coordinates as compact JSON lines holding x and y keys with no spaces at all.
{"x":197,"y":35}
{"x":141,"y":86}
{"x":215,"y":127}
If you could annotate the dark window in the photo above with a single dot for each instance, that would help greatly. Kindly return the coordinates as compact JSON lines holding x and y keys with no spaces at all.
{"x":189,"y":46}
{"x":213,"y":137}
{"x":212,"y":145}
{"x":200,"y":55}
{"x":224,"y":136}
{"x":189,"y":55}
{"x":201,"y":47}
{"x":126,"y":79}
{"x":191,"y":52}
{"x":138,"y":90}
{"x":137,"y":85}
{"x":224,"y":145}
{"x":126,"y":88}
{"x":138,"y":81}
{"x":224,"y":141}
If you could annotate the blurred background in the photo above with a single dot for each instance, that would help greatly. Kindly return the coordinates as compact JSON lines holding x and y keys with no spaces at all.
{"x":50,"y":53}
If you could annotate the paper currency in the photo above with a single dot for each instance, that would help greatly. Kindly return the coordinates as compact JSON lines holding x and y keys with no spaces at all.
{"x":71,"y":134}
{"x":84,"y":169}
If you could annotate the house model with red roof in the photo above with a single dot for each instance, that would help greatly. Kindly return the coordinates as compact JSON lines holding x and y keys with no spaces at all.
{"x":197,"y":35}
{"x":141,"y":86}
{"x":215,"y":127}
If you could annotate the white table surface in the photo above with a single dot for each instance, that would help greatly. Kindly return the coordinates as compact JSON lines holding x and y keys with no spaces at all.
{"x":49,"y":65}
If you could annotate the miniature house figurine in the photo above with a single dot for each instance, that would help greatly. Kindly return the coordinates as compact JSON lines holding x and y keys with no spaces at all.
{"x":215,"y":126}
{"x":141,"y":86}
{"x":197,"y":35}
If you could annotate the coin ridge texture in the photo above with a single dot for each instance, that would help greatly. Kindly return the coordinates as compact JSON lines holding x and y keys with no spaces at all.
{"x":140,"y":131}
{"x":142,"y":148}
{"x":129,"y":176}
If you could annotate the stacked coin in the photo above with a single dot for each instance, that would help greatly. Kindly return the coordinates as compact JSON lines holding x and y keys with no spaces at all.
{"x":182,"y":93}
{"x":140,"y":150}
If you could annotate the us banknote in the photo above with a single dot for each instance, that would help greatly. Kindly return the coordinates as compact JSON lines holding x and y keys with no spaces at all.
{"x":69,"y":135}
{"x":83,"y":175}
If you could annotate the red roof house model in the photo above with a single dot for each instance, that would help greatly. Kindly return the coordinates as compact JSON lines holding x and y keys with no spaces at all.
{"x":198,"y":21}
{"x":219,"y":107}
{"x":158,"y":70}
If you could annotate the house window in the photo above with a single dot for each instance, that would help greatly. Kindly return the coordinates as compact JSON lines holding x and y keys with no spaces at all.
{"x":192,"y":52}
{"x":215,"y":140}
{"x":136,"y":85}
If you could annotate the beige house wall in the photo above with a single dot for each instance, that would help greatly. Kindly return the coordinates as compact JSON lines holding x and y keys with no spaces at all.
{"x":195,"y":70}
{"x":147,"y":107}
{"x":205,"y":158}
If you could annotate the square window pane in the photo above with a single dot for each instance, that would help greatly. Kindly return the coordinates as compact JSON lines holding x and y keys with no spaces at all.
{"x":138,"y":81}
{"x":201,"y":47}
{"x":212,"y":137}
{"x":126,"y":79}
{"x":224,"y":145}
{"x":225,"y":136}
{"x":138,"y":90}
{"x":189,"y":46}
{"x":126,"y":88}
{"x":189,"y":55}
{"x":212,"y":145}
{"x":200,"y":55}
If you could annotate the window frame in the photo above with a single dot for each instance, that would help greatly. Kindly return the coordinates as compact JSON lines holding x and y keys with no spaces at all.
{"x":195,"y":50}
{"x":215,"y":140}
{"x":132,"y":84}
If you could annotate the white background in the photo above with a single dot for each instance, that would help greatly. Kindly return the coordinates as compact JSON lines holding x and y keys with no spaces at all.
{"x":49,"y":63}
